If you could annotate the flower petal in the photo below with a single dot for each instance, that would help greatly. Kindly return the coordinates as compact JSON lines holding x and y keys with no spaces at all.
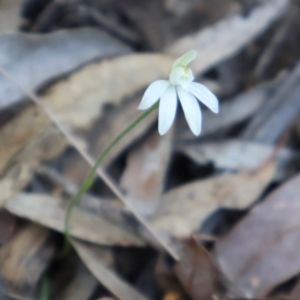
{"x":185,"y":59}
{"x":203,"y":94}
{"x":153,"y":93}
{"x":191,"y":109}
{"x":167,"y":110}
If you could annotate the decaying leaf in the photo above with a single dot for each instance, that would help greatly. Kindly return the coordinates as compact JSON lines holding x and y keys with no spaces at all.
{"x":93,"y":257}
{"x":196,"y":271}
{"x":24,"y":259}
{"x":144,"y":175}
{"x":262,"y":251}
{"x":241,"y":155}
{"x":182,"y":210}
{"x":50,"y":212}
{"x":44,"y":57}
{"x":228,"y":36}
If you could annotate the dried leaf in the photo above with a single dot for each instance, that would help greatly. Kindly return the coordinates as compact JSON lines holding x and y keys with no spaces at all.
{"x":227,"y":37}
{"x":241,"y":155}
{"x":48,"y":56}
{"x":87,"y":91}
{"x":183,"y":209}
{"x":276,"y":116}
{"x":262,"y":251}
{"x":21,"y":168}
{"x":93,"y":258}
{"x":24,"y":259}
{"x":196,"y":271}
{"x":9,"y":15}
{"x":146,"y":167}
{"x":82,"y":285}
{"x":7,"y":226}
{"x":50,"y":212}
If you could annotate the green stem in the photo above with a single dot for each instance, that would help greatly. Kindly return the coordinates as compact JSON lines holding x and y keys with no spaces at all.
{"x":45,"y":291}
{"x":87,"y":184}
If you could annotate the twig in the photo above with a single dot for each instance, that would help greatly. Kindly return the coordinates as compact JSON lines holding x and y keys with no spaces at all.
{"x":90,"y":160}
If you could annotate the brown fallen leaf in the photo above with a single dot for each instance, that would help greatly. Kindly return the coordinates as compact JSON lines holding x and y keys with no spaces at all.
{"x":228,"y":36}
{"x":93,"y":257}
{"x":50,"y":212}
{"x":182,"y":210}
{"x":143,"y":178}
{"x":44,"y":57}
{"x":261,"y":252}
{"x":196,"y":271}
{"x":24,"y":259}
{"x":7,"y":226}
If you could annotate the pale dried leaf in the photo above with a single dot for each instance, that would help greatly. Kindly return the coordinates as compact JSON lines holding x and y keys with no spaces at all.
{"x":48,"y":56}
{"x":143,"y":178}
{"x":183,"y":209}
{"x":241,"y":155}
{"x":50,"y":212}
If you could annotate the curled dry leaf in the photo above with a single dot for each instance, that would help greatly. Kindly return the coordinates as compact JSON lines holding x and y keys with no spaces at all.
{"x":144,"y":175}
{"x":196,"y":271}
{"x":50,"y":212}
{"x":262,"y":251}
{"x":228,"y":36}
{"x":93,"y":257}
{"x":24,"y":259}
{"x":44,"y":57}
{"x":182,"y":210}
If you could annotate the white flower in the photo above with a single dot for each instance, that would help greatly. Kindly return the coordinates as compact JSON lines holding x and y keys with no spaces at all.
{"x":180,"y":84}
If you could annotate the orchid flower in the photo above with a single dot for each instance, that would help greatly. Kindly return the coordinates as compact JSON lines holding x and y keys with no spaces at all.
{"x":180,"y":85}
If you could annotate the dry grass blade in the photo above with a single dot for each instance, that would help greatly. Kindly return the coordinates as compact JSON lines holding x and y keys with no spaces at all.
{"x":100,"y":172}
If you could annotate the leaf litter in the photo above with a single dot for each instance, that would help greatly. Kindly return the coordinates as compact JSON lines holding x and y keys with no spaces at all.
{"x":92,"y":79}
